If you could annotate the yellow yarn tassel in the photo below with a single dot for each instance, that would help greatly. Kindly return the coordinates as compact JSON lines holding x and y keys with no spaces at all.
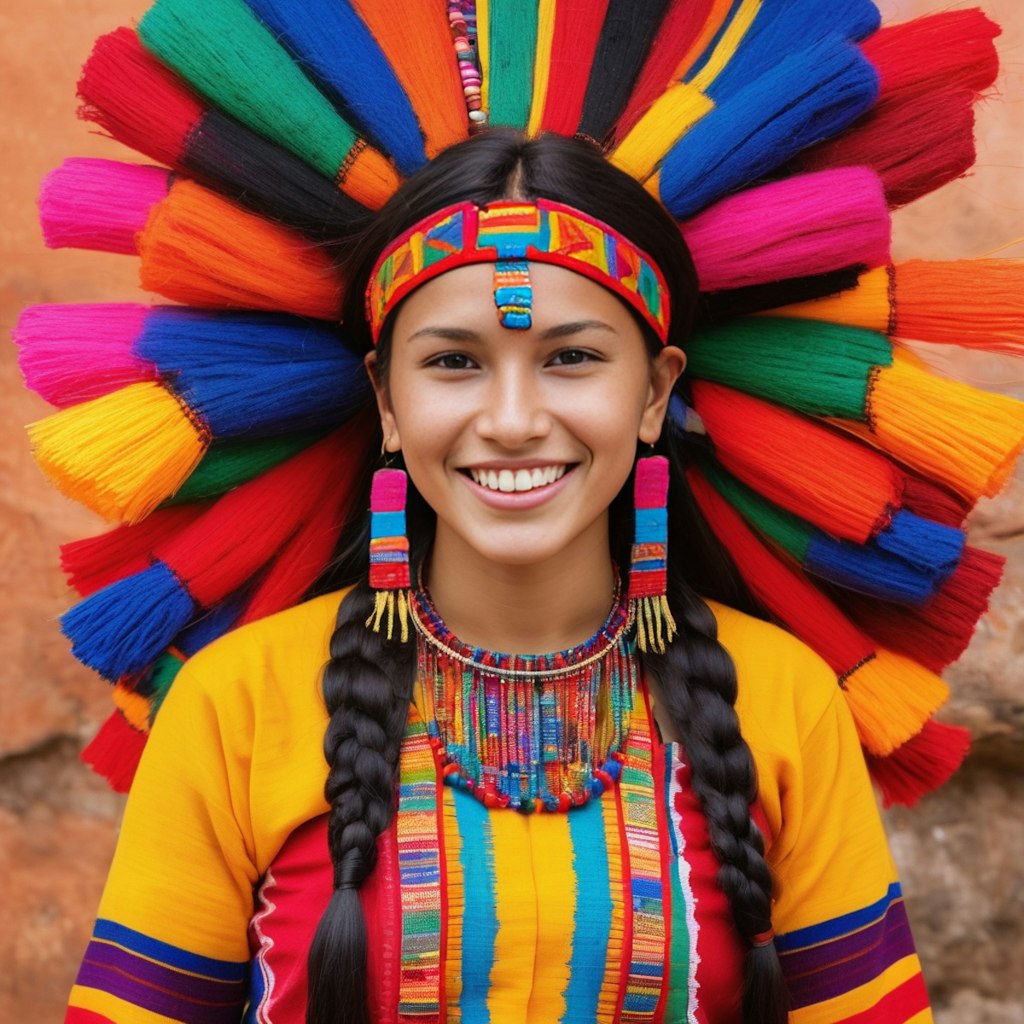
{"x":728,"y":44}
{"x":122,"y":454}
{"x":959,"y":435}
{"x":865,"y":306}
{"x":483,"y":49}
{"x":655,"y":626}
{"x":667,"y":120}
{"x":542,"y":64}
{"x":390,"y":605}
{"x":891,"y":697}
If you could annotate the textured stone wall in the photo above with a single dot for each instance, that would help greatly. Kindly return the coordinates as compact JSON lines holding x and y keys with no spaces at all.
{"x":959,"y":851}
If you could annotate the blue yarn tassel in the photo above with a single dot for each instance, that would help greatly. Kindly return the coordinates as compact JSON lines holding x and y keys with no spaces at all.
{"x":786,"y":27}
{"x":805,"y":98}
{"x":868,"y":570}
{"x":931,"y":547}
{"x":123,"y":627}
{"x":334,"y":47}
{"x":256,"y":374}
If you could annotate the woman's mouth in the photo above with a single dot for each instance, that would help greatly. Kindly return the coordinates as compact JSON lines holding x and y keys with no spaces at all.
{"x":518,"y":481}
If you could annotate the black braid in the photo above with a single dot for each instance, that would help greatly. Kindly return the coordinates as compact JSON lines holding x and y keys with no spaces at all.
{"x":696,"y":679}
{"x":367,"y":687}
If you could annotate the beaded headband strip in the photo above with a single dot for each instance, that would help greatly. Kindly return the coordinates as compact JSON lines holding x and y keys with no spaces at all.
{"x":510,"y":234}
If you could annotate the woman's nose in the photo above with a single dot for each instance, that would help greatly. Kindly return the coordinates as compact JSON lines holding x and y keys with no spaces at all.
{"x":514,"y":410}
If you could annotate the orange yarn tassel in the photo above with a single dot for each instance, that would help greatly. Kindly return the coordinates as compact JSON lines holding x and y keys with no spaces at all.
{"x":417,"y":41}
{"x":200,"y":249}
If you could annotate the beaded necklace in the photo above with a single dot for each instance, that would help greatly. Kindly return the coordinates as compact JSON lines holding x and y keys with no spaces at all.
{"x":537,"y":732}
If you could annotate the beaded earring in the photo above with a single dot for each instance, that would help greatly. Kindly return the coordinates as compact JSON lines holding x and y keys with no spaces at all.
{"x":389,"y":553}
{"x":648,"y":572}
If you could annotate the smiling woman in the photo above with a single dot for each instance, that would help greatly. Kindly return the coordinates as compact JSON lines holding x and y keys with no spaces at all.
{"x":554,"y":551}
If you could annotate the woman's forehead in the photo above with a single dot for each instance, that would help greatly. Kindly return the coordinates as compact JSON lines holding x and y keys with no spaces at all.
{"x":462,"y":300}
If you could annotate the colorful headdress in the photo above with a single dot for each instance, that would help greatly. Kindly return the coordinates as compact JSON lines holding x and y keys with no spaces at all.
{"x":225,"y":435}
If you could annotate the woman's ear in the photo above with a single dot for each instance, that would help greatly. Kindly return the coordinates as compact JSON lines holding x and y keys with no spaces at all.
{"x":388,"y":426}
{"x":665,"y":371}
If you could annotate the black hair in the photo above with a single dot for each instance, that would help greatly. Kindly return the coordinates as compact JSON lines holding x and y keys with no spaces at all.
{"x":368,"y":682}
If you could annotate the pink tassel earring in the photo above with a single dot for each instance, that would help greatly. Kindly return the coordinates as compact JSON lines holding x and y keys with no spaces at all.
{"x":648,"y":572}
{"x":389,"y":553}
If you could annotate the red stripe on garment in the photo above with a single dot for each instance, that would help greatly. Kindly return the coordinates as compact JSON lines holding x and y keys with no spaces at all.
{"x":895,"y":1007}
{"x":76,"y":1015}
{"x":665,"y":852}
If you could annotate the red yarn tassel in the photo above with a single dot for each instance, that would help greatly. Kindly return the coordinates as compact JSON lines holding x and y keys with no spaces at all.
{"x":131,"y":95}
{"x":115,"y":752}
{"x":916,"y":142}
{"x":932,"y":501}
{"x":948,"y":48}
{"x":682,"y":27}
{"x":921,"y":765}
{"x":937,"y":633}
{"x":577,"y":30}
{"x":95,"y":562}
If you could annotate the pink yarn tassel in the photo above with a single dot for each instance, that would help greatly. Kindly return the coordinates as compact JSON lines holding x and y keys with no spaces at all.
{"x":809,"y":224}
{"x":99,"y":204}
{"x":71,"y":353}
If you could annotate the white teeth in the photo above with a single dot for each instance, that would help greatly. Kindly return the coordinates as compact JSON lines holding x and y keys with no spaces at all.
{"x":518,"y":480}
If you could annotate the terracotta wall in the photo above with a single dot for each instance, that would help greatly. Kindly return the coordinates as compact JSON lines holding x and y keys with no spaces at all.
{"x":959,"y":852}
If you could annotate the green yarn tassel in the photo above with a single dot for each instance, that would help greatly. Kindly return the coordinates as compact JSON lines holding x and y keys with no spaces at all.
{"x":822,"y":369}
{"x":229,"y":464}
{"x":791,"y":533}
{"x":159,"y":680}
{"x":226,"y":54}
{"x":512,"y":51}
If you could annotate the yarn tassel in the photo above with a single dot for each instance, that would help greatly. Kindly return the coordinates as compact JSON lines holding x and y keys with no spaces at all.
{"x":121,"y":629}
{"x":511,"y":35}
{"x":99,"y":204}
{"x":754,"y":131}
{"x":809,"y":224}
{"x":916,"y":142}
{"x":389,"y":554}
{"x":921,"y":765}
{"x":931,"y":501}
{"x":937,"y":633}
{"x":933,"y":51}
{"x":718,"y":307}
{"x":72,"y":353}
{"x":122,"y":454}
{"x":416,"y":38}
{"x":229,"y":464}
{"x":889,"y":695}
{"x":133,"y":97}
{"x":972,"y":303}
{"x":251,"y":375}
{"x":841,"y":486}
{"x":96,"y":562}
{"x":960,"y":436}
{"x":687,"y":27}
{"x":648,"y":570}
{"x":332,"y":44}
{"x":228,"y":56}
{"x":629,"y":28}
{"x":201,"y":250}
{"x":114,"y":752}
{"x":575,"y":34}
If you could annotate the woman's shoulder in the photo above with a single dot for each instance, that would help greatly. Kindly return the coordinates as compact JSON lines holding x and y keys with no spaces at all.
{"x":267,"y":660}
{"x":783,"y":685}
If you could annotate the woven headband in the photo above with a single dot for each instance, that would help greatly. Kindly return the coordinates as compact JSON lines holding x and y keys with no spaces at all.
{"x":510,"y":234}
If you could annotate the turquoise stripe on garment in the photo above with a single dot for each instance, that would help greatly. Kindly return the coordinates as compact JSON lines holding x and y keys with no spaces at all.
{"x":592,"y":922}
{"x":677,"y":1007}
{"x":480,"y":919}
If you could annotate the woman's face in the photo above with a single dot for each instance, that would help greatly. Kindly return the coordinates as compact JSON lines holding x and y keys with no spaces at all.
{"x":519,"y":440}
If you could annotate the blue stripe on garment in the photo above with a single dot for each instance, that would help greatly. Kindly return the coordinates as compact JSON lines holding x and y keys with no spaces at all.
{"x":838,"y":925}
{"x":164,"y":953}
{"x":480,"y":919}
{"x":592,"y":923}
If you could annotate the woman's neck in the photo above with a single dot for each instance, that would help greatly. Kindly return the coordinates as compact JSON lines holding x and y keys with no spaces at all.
{"x":521,"y":609}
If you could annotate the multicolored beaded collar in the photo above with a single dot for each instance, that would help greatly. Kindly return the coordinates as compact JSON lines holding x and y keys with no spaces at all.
{"x":530,"y":732}
{"x":510,"y":234}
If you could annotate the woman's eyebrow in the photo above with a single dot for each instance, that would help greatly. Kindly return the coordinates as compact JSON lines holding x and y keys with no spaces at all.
{"x":448,"y":333}
{"x":576,"y":327}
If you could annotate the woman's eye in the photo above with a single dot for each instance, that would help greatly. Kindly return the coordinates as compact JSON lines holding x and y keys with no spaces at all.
{"x":571,"y":357}
{"x":452,"y":361}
